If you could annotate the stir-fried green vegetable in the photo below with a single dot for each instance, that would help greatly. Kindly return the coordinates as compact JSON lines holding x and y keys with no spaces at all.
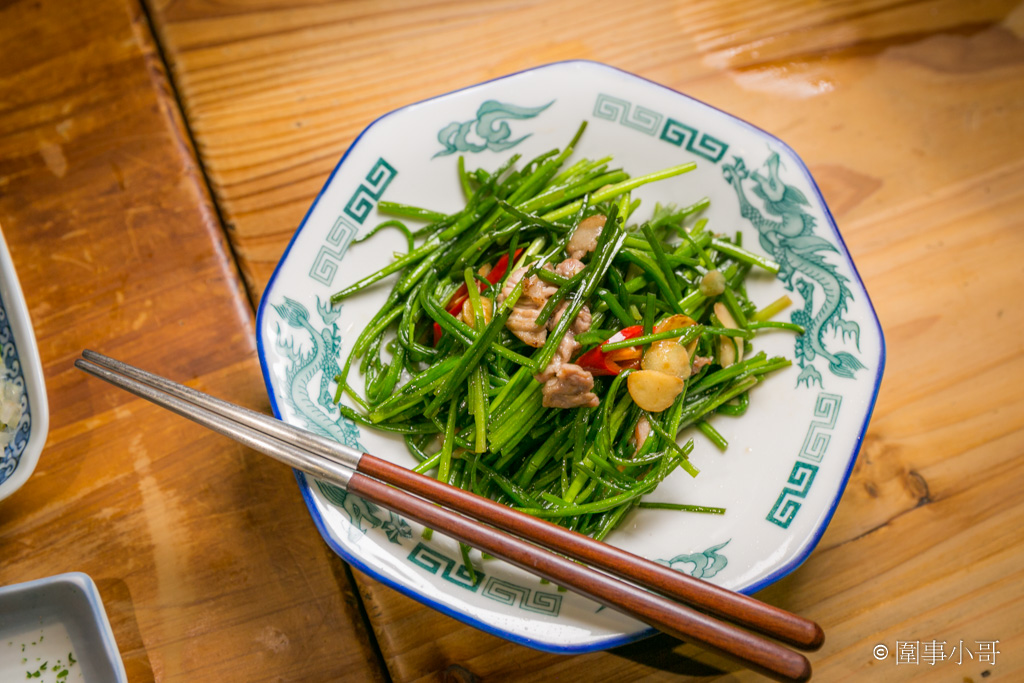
{"x":445,"y":363}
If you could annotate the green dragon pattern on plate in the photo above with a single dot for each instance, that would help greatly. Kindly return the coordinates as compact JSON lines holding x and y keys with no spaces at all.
{"x":786,"y":233}
{"x":318,"y":410}
{"x":785,"y":227}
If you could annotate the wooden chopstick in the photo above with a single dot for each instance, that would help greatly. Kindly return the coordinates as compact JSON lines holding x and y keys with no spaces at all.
{"x":707,"y":597}
{"x":370,"y":477}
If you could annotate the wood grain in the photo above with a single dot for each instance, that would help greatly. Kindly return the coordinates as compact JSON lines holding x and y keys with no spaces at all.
{"x":204,"y":555}
{"x":909,"y":115}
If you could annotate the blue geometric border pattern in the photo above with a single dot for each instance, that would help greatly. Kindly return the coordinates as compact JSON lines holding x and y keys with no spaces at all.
{"x":610,"y":108}
{"x":522,"y":597}
{"x":327,"y":260}
{"x":360,"y":204}
{"x":815,"y":445}
{"x":819,"y":433}
{"x":433,"y":561}
{"x":702,"y":144}
{"x":790,"y":500}
{"x":514,"y":595}
{"x":638,"y":118}
{"x":370,"y":190}
{"x":649,"y":121}
{"x":11,"y":372}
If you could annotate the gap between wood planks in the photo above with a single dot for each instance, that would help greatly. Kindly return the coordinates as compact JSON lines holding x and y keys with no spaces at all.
{"x":166,"y":73}
{"x":163,"y":70}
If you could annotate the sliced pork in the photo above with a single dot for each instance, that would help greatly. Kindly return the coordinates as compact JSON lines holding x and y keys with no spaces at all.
{"x":522,"y":321}
{"x":570,"y":388}
{"x":698,"y":363}
{"x":584,"y":239}
{"x":566,"y":385}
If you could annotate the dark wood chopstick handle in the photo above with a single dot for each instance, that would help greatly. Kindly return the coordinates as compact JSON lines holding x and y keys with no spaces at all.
{"x":741,"y":609}
{"x":748,"y":649}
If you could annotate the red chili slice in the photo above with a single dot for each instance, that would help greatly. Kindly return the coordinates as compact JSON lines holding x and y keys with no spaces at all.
{"x":600,"y":363}
{"x":462,"y":293}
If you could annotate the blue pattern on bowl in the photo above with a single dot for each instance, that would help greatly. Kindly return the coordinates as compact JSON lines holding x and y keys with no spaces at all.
{"x":12,"y":372}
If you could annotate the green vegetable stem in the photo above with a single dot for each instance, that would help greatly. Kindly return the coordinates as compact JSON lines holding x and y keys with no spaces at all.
{"x":439,"y":364}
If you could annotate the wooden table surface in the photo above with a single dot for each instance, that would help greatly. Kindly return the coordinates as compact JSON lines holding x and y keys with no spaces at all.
{"x":155,"y":159}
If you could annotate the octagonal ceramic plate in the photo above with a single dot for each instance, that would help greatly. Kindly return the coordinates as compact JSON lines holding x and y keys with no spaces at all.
{"x":789,"y":456}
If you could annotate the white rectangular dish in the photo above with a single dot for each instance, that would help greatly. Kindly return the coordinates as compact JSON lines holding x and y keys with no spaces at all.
{"x":55,"y":630}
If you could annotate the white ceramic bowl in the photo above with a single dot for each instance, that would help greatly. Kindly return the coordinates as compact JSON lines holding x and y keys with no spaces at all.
{"x":789,"y":457}
{"x":20,"y":365}
{"x":55,"y":629}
